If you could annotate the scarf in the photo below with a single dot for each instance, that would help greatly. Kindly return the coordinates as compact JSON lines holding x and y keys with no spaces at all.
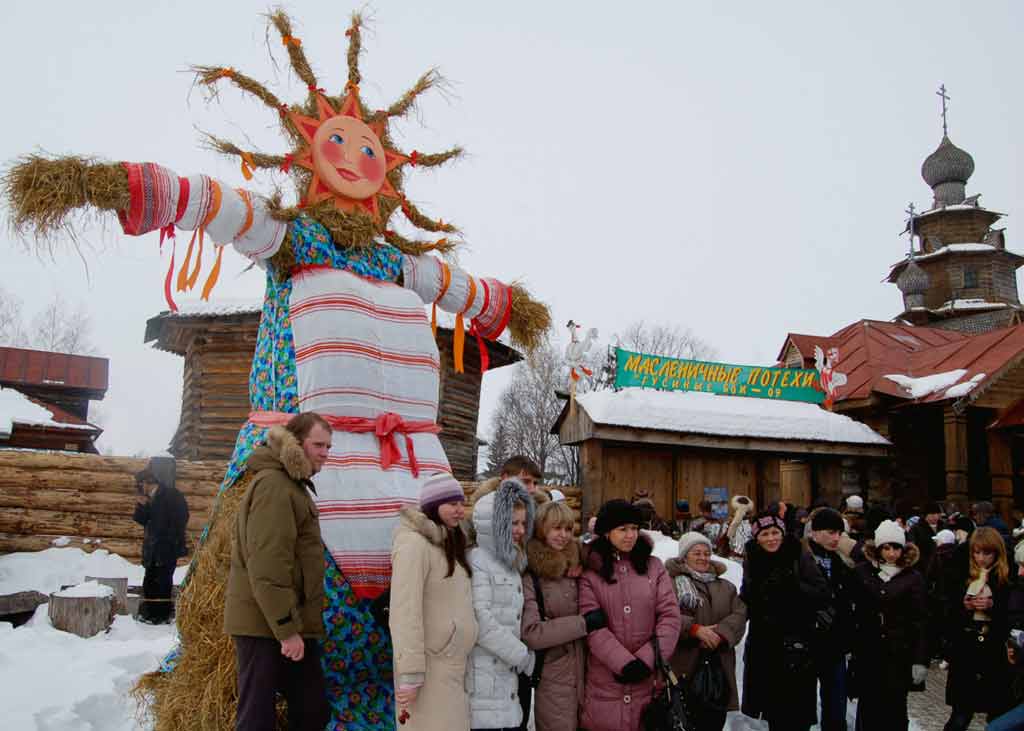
{"x":887,"y":571}
{"x":979,"y":588}
{"x":689,"y":597}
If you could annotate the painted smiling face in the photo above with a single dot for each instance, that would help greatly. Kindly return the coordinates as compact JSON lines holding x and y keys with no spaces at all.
{"x":349,"y":158}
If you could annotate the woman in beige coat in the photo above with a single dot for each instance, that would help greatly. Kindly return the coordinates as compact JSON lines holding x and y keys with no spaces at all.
{"x":556,"y":632}
{"x":714,"y":620}
{"x":433,"y":626}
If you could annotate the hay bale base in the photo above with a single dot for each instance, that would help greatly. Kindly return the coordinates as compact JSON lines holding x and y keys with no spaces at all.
{"x":201,"y":694}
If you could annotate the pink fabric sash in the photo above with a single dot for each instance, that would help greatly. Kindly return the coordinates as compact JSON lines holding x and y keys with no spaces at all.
{"x":385,"y":427}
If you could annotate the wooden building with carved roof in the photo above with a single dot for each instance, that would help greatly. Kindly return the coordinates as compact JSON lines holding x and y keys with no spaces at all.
{"x":217,"y":342}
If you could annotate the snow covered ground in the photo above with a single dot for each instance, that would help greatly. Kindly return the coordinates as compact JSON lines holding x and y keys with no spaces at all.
{"x":47,"y":571}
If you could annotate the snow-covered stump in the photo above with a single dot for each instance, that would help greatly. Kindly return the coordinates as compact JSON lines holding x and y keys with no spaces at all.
{"x":84,"y":610}
{"x":120,"y":587}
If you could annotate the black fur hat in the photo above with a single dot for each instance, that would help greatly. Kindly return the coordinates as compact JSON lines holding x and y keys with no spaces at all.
{"x":615,"y":513}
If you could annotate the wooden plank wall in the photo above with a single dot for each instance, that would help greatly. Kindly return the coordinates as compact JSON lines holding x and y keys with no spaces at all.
{"x":46,"y":495}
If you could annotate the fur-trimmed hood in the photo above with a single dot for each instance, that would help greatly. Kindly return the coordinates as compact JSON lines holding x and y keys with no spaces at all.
{"x":547,"y":563}
{"x":911,"y":555}
{"x":540,"y":495}
{"x":492,"y":519}
{"x":411,"y":519}
{"x":282,"y":451}
{"x":677,"y":567}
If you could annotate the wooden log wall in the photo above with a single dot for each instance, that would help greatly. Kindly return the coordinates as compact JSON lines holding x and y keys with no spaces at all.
{"x":86,"y":497}
{"x":215,"y":389}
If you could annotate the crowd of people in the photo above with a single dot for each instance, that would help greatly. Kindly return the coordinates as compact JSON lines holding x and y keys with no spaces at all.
{"x":508,"y":613}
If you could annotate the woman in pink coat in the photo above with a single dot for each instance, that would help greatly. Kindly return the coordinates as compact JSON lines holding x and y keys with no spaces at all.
{"x":633,"y":589}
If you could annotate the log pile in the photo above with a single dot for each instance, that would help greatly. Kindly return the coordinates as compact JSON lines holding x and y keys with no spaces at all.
{"x":88,"y":499}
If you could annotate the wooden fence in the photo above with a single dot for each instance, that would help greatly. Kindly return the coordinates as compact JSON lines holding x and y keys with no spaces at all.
{"x":89,"y":499}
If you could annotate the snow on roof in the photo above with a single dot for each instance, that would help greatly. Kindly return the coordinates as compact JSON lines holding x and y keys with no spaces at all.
{"x":968,"y":304}
{"x":927,"y":385}
{"x":958,"y":207}
{"x":962,"y":389}
{"x":734,"y":416}
{"x":17,"y":408}
{"x":221,"y":307}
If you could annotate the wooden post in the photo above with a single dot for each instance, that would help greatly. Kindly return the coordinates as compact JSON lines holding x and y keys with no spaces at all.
{"x":955,"y":430}
{"x":1000,"y":464}
{"x":84,"y":616}
{"x":120,"y":587}
{"x":592,"y":477}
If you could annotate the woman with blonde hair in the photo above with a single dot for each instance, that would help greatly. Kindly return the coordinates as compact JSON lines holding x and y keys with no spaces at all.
{"x":977,"y":601}
{"x":552,"y":624}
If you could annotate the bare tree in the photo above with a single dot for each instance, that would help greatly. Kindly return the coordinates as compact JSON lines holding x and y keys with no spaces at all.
{"x":62,"y":328}
{"x":670,"y":341}
{"x":12,"y":330}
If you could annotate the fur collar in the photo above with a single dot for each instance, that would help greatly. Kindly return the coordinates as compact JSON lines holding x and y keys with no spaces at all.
{"x":548,"y":563}
{"x":412,"y":519}
{"x":911,"y":555}
{"x":677,"y":567}
{"x":283,"y":444}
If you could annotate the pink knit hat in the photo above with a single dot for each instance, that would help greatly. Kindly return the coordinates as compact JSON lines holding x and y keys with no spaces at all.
{"x":440,"y":488}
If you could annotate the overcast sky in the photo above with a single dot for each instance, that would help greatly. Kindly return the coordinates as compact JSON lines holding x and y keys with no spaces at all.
{"x":738,"y":168}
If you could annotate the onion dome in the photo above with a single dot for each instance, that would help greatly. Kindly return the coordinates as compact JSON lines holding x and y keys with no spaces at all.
{"x":913,"y":279}
{"x":947,"y":171}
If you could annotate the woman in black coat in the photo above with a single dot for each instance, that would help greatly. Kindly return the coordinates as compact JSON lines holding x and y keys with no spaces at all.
{"x":891,"y":650}
{"x":977,"y":599}
{"x":783,"y":590}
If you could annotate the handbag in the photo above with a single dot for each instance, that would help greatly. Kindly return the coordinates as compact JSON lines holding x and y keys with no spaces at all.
{"x":709,"y":686}
{"x":666,"y":711}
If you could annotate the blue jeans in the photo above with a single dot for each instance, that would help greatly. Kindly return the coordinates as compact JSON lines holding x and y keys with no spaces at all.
{"x":832,"y":676}
{"x":1009,"y":721}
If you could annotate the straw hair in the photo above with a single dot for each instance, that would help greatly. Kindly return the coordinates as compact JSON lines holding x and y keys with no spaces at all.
{"x":553,"y":515}
{"x":530,"y":321}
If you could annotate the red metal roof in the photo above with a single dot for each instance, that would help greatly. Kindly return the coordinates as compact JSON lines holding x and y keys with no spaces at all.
{"x":869,"y":350}
{"x":58,"y":371}
{"x":805,"y":344}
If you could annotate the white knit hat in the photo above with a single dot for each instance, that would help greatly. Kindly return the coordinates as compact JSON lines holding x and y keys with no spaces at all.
{"x":1018,"y":553}
{"x":557,"y":496}
{"x":944,"y":537}
{"x":689,"y":540}
{"x":855,"y":504}
{"x":889,"y":531}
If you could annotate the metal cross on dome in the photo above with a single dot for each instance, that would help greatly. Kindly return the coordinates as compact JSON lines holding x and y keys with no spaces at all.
{"x":945,"y":98}
{"x":910,"y":226}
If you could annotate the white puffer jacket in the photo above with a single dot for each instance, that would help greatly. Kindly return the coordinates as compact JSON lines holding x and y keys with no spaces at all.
{"x":499,"y":654}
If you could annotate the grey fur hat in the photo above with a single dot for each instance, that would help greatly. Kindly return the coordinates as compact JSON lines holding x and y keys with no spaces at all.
{"x":492,"y":518}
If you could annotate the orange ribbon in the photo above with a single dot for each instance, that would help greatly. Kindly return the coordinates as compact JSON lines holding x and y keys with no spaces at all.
{"x":459,"y":336}
{"x":291,"y":41}
{"x":228,"y":73}
{"x":211,"y":281}
{"x":248,"y":165}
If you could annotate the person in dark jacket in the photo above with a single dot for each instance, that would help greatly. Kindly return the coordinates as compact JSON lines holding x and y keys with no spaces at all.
{"x":783,"y":590}
{"x":1015,"y":610}
{"x":834,"y":622}
{"x":274,"y":602}
{"x":977,"y":597}
{"x":935,"y":583}
{"x":161,"y":509}
{"x":923,"y":534}
{"x":985,"y":516}
{"x":891,"y":651}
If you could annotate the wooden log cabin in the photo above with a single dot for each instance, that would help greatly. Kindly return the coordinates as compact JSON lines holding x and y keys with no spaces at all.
{"x":686,"y":445}
{"x":217,"y":343}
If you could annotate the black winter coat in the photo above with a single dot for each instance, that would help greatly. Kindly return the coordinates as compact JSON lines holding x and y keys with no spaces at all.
{"x":922,"y":534}
{"x":783,"y":592}
{"x":892,"y":620}
{"x":164,"y":518}
{"x":836,"y":639}
{"x":978,"y":667}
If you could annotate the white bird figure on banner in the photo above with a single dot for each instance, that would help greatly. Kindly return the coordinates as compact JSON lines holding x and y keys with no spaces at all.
{"x":576,"y":351}
{"x":831,"y":381}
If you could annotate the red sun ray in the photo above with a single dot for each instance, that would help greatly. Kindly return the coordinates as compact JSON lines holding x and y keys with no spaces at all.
{"x":394,"y":159}
{"x":323,"y":106}
{"x":350,"y":107}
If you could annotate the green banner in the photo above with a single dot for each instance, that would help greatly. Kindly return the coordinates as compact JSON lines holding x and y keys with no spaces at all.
{"x":676,"y":374}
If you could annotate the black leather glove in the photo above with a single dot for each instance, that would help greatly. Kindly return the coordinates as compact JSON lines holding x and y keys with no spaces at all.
{"x":633,"y":672}
{"x":595,"y":620}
